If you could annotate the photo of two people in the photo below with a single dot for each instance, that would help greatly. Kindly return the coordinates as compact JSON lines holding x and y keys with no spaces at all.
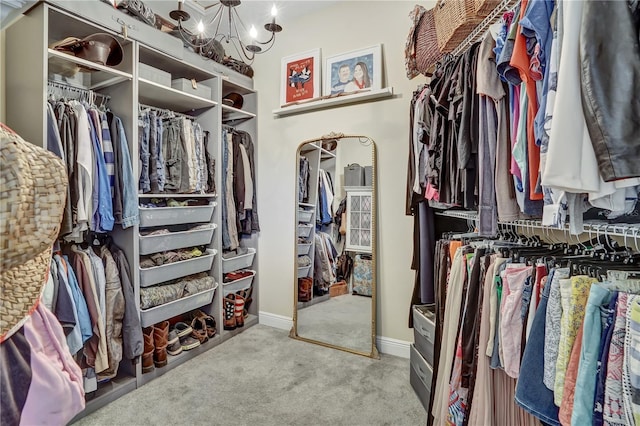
{"x":351,"y":74}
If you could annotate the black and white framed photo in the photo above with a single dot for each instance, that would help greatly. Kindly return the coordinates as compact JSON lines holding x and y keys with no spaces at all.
{"x":354,"y":71}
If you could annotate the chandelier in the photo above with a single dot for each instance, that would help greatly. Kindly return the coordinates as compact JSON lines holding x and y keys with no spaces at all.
{"x":210,"y":34}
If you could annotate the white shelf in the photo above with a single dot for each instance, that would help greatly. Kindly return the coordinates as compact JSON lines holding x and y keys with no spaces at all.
{"x":160,"y":96}
{"x":334,"y":102}
{"x":101,"y":76}
{"x":229,"y":86}
{"x":306,"y":205}
{"x":231,"y":113}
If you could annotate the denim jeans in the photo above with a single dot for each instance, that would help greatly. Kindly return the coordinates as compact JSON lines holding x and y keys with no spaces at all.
{"x":173,"y":153}
{"x":143,"y":142}
{"x":531,"y":393}
{"x":156,"y":161}
{"x":130,"y":212}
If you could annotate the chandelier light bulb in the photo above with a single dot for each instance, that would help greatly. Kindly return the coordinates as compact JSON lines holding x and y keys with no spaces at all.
{"x":274,"y":11}
{"x":201,"y":27}
{"x":253,"y":33}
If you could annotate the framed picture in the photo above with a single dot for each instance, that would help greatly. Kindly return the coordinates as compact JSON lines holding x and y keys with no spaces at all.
{"x":353,"y":71}
{"x":300,"y":77}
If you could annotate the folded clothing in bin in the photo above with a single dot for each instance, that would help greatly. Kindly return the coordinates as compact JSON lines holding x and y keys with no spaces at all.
{"x":167,"y":257}
{"x":230,"y":254}
{"x":170,"y":202}
{"x":237,"y":275}
{"x":174,"y":290}
{"x":304,"y":261}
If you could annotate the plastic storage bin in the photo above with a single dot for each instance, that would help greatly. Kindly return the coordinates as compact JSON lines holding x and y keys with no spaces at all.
{"x":154,"y":74}
{"x":186,"y":86}
{"x":304,"y":230}
{"x":303,"y":248}
{"x":159,"y":274}
{"x":241,"y":284}
{"x":303,"y":271}
{"x":175,"y":240}
{"x":239,"y":262}
{"x":305,"y":215}
{"x":168,"y":310}
{"x":161,"y":216}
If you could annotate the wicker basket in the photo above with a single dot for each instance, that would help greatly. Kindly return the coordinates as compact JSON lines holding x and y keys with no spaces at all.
{"x":484,"y":7}
{"x":455,"y":19}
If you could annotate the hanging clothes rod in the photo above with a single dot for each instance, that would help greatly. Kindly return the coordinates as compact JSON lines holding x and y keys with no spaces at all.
{"x":167,"y":111}
{"x":480,"y":30}
{"x":612,"y":229}
{"x":69,"y":89}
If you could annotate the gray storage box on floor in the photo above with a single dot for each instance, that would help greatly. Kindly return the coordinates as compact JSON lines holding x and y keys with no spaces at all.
{"x":168,"y":310}
{"x":154,"y":74}
{"x":161,"y":216}
{"x":175,"y":240}
{"x":424,"y":330}
{"x":353,"y":175}
{"x":171,"y":271}
{"x":420,"y":377}
{"x":186,"y":86}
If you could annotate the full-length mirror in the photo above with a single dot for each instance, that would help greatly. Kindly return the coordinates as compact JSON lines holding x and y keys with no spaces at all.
{"x":335,"y":285}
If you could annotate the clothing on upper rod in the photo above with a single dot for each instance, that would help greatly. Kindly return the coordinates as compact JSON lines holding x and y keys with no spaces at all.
{"x":488,"y":132}
{"x":93,"y":144}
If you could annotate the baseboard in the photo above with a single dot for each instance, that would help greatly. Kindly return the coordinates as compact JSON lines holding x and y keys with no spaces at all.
{"x":386,"y":345}
{"x":395,"y":347}
{"x":276,"y":321}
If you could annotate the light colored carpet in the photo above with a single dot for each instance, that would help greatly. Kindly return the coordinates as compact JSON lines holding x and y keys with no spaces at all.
{"x":342,"y":321}
{"x":263,"y":377}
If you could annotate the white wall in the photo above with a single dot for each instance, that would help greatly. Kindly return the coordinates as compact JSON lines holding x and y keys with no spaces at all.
{"x":345,"y":26}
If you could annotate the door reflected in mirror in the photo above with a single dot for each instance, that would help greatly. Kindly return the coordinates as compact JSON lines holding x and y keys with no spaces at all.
{"x":335,"y":285}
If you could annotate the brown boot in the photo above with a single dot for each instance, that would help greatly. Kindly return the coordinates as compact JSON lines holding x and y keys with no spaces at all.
{"x":238,"y":311}
{"x":229,"y":312}
{"x":305,"y":286}
{"x":147,"y":355}
{"x":161,"y":340}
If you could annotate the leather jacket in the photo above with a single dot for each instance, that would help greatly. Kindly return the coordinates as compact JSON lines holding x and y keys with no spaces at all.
{"x":610,"y":78}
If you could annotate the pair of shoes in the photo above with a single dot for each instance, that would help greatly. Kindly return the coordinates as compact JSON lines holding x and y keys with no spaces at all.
{"x":186,"y":336}
{"x":233,"y":311}
{"x":174,"y":347}
{"x":156,"y":340}
{"x":204,"y":326}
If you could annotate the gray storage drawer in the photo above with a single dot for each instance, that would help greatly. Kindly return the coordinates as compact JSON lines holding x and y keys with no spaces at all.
{"x":170,"y":271}
{"x":424,"y":330}
{"x":420,"y":377}
{"x":107,"y":16}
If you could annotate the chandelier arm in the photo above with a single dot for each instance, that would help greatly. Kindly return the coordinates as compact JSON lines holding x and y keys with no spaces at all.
{"x":243,"y":51}
{"x":217,"y":18}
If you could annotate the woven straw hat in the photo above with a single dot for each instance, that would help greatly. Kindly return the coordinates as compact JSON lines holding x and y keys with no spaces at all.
{"x":33,"y":186}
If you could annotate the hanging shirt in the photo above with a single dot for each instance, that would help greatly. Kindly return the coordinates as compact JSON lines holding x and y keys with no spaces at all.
{"x":84,"y":171}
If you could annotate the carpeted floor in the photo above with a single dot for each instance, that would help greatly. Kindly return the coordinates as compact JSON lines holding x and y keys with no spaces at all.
{"x":263,"y":377}
{"x":342,"y":321}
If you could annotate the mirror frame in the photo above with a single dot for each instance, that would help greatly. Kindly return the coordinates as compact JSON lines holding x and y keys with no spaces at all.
{"x":374,"y":291}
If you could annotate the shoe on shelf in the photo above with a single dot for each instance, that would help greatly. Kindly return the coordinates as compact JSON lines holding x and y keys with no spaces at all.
{"x":182,"y":329}
{"x":239,"y":310}
{"x":173,"y":345}
{"x":199,"y":329}
{"x":229,"y":312}
{"x":209,"y":321}
{"x":160,"y":340}
{"x":187,"y":343}
{"x":147,"y":354}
